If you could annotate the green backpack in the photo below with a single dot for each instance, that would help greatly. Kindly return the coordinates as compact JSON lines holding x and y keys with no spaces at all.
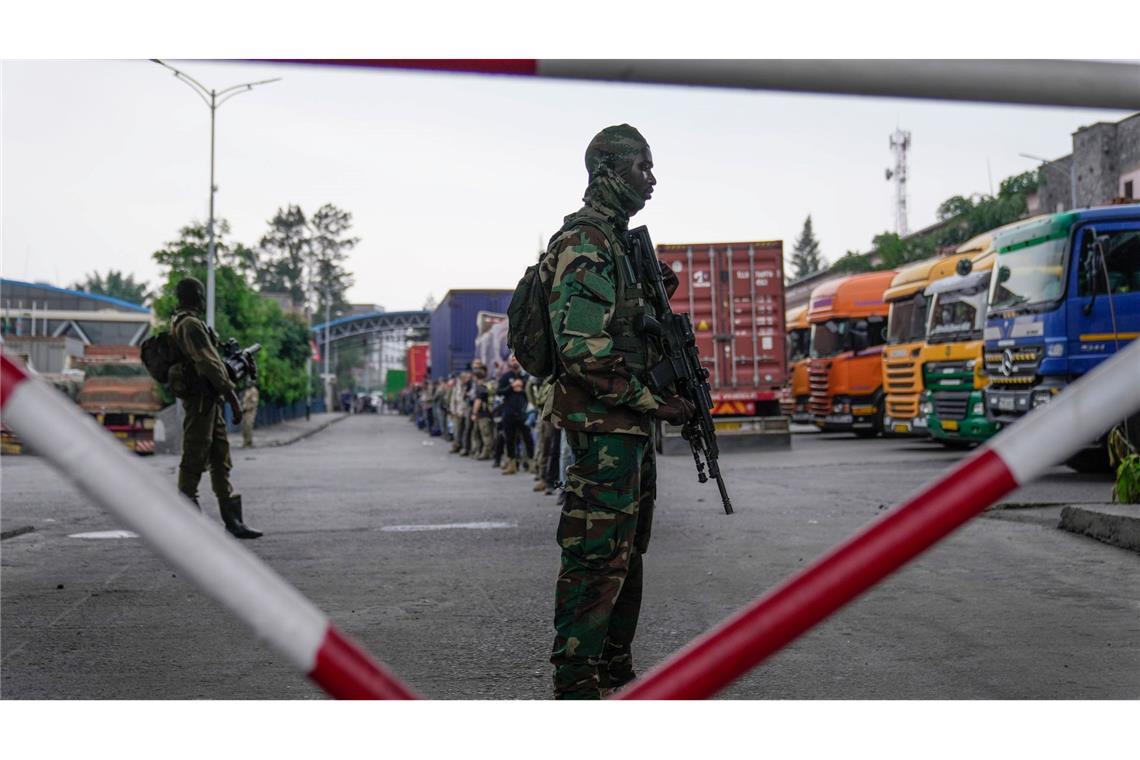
{"x":159,"y":353}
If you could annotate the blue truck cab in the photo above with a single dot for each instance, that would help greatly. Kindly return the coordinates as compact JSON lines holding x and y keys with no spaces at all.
{"x":1064,"y":296}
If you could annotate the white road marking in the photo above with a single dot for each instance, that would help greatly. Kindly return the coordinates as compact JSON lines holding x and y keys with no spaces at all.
{"x":449,"y":526}
{"x":106,"y":534}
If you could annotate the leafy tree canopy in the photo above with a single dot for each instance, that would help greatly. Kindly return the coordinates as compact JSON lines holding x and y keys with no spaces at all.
{"x":115,"y":284}
{"x":240,"y":312}
{"x":966,"y":218}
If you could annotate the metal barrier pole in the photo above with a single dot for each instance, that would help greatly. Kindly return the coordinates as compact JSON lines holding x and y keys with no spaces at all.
{"x":1086,"y":84}
{"x":148,"y":504}
{"x":1044,"y":438}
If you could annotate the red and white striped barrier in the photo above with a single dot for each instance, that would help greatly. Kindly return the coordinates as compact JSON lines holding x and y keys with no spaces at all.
{"x":151,"y":506}
{"x":84,"y":452}
{"x":1088,"y":84}
{"x":1044,"y":438}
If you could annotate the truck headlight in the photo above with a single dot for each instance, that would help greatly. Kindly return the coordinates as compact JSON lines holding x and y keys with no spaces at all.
{"x":979,"y":409}
{"x":1040,"y":398}
{"x":971,"y":363}
{"x":1055,"y":350}
{"x":927,"y":408}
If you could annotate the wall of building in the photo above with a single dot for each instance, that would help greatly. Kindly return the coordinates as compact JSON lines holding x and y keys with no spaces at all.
{"x":1105,"y":157}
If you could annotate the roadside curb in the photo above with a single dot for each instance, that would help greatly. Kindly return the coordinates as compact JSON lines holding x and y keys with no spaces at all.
{"x":300,"y":436}
{"x":5,"y":535}
{"x":1115,"y":524}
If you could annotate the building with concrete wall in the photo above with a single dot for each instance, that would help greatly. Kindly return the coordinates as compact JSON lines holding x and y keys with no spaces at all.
{"x":1103,"y":168}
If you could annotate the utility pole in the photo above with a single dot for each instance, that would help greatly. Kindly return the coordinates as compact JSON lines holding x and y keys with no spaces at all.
{"x":328,"y":377}
{"x":900,"y":142}
{"x":213,"y":99}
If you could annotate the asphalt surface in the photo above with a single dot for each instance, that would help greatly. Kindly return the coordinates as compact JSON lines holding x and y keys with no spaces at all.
{"x":445,"y":570}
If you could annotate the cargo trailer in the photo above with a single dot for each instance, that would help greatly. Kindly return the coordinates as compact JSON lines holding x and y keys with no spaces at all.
{"x":734,"y":295}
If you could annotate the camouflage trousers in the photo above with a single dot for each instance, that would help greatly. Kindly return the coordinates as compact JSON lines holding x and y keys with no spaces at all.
{"x":603,"y":531}
{"x":247,"y":427}
{"x":204,"y":446}
{"x":483,"y":438}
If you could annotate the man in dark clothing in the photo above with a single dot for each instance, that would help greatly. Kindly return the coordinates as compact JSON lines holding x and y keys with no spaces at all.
{"x":512,"y":390}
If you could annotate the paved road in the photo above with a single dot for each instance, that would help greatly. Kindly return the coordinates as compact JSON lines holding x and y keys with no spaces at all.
{"x":1009,"y":607}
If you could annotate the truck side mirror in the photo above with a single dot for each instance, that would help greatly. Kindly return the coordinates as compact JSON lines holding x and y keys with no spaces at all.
{"x":1092,"y":265}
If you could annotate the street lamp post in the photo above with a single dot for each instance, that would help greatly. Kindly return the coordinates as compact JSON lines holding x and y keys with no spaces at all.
{"x":213,"y":99}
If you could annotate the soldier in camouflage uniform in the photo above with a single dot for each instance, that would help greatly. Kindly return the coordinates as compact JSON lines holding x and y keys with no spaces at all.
{"x":483,"y":428}
{"x":204,"y":385}
{"x":601,"y":402}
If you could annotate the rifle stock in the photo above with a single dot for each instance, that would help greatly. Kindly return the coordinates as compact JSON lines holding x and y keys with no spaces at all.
{"x":680,"y":367}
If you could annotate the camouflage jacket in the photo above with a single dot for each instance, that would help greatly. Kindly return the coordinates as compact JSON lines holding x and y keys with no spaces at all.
{"x":596,"y":390}
{"x":198,"y":344}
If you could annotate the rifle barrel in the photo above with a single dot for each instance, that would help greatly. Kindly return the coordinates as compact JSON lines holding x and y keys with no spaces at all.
{"x":723,"y":494}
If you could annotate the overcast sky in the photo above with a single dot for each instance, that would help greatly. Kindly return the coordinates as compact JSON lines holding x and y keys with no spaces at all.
{"x":453,"y":180}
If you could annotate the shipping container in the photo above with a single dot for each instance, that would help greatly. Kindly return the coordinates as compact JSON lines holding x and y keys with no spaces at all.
{"x":734,"y":295}
{"x":454,"y":326}
{"x":395,"y":381}
{"x":416,"y":362}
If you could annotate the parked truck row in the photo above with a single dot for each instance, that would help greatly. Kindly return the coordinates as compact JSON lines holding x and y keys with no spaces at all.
{"x":960,"y":346}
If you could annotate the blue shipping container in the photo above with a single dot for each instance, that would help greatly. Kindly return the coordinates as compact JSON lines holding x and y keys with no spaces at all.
{"x":453,"y":327}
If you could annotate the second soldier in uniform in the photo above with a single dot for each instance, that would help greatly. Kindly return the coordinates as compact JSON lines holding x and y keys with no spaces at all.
{"x":203,"y":384}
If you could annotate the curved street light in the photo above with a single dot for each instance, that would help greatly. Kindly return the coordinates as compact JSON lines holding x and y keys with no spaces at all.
{"x":213,"y":99}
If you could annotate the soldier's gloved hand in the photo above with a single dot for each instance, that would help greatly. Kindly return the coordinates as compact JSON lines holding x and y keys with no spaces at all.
{"x":675,"y":411}
{"x":235,"y":406}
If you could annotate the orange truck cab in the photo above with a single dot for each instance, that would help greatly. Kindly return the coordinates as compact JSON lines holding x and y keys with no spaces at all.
{"x":796,"y":398}
{"x":902,"y":363}
{"x":848,"y":320}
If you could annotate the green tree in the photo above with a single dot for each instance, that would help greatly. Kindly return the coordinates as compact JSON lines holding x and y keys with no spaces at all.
{"x":965,"y":217}
{"x":806,"y":257}
{"x":116,"y":285}
{"x":852,"y":263}
{"x":328,"y":251}
{"x":189,"y":250}
{"x":285,"y":252}
{"x":305,"y":257}
{"x":241,"y":313}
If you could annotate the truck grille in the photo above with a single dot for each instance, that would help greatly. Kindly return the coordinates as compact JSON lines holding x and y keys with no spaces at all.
{"x":902,"y":407}
{"x":1013,"y":366}
{"x":818,"y":372}
{"x":934,"y":369}
{"x":902,"y":376}
{"x":951,"y":405}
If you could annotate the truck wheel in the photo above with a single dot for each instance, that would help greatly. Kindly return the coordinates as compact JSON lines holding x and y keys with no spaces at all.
{"x":957,"y":445}
{"x":1090,"y":460}
{"x":877,"y":425}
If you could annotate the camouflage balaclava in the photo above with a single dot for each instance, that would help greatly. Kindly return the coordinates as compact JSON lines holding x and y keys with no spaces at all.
{"x":191,"y":294}
{"x":609,"y":160}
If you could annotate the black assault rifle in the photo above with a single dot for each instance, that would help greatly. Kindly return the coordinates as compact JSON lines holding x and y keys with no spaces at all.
{"x":240,"y":362}
{"x":681,"y":366}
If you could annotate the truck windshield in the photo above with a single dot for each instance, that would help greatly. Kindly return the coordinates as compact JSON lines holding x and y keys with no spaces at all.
{"x":907,"y":321}
{"x":829,"y":338}
{"x":799,"y":343}
{"x":957,"y":315}
{"x":1029,"y":275}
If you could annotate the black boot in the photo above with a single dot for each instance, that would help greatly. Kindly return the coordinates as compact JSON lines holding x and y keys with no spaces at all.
{"x":231,"y":516}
